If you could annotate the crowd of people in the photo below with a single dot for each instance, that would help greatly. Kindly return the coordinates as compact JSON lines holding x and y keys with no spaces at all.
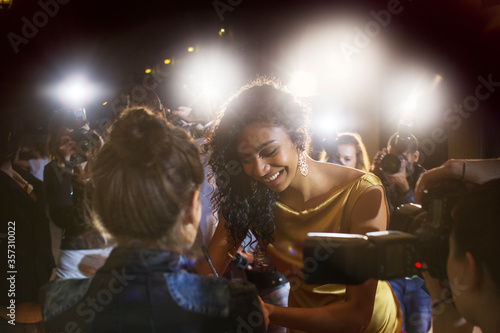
{"x":136,"y":205}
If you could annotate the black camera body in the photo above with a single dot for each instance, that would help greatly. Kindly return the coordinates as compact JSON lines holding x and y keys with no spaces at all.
{"x":418,"y":235}
{"x":353,"y":259}
{"x":239,"y":261}
{"x":391,"y":163}
{"x":394,"y":163}
{"x":87,"y":141}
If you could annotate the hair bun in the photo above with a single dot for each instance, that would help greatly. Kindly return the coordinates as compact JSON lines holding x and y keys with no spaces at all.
{"x":139,"y":137}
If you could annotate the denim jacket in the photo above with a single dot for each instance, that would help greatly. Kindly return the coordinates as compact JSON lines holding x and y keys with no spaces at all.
{"x":144,"y":290}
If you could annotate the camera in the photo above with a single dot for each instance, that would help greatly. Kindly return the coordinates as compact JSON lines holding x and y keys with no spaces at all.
{"x":417,"y":235}
{"x":87,"y":141}
{"x":391,"y":164}
{"x":239,"y":261}
{"x":402,"y":142}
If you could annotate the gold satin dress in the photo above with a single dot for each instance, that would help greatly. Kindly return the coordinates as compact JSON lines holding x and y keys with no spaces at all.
{"x":332,"y":215}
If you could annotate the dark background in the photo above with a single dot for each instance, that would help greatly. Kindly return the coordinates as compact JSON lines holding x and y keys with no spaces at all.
{"x":114,"y":41}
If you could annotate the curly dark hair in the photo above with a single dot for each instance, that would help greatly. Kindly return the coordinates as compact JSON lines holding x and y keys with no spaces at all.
{"x":244,"y":203}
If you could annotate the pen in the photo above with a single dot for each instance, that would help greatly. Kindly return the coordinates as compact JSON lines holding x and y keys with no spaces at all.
{"x":209,"y":260}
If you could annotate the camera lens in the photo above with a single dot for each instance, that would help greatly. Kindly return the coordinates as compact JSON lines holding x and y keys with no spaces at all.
{"x":391,"y":164}
{"x":76,"y":159}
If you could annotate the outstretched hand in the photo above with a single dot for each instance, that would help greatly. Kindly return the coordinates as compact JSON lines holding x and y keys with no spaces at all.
{"x":436,"y":177}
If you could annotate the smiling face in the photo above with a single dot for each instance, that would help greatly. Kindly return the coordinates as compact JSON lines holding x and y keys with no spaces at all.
{"x":347,"y":155}
{"x":268,"y":155}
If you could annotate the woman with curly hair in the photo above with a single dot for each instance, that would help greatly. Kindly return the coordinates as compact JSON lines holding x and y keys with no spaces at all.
{"x":267,"y":183}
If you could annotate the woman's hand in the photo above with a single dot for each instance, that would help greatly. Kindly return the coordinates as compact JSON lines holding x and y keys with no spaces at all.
{"x":375,"y":167}
{"x":266,"y":310}
{"x":451,"y":170}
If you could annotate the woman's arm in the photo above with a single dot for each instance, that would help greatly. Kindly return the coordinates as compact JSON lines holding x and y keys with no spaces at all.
{"x":353,"y":315}
{"x":220,"y":251}
{"x":474,"y":171}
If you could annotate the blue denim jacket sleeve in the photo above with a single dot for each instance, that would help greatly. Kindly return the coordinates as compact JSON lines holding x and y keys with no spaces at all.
{"x":202,"y":294}
{"x":235,"y":300}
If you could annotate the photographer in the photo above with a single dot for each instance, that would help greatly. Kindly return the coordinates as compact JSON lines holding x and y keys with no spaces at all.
{"x":473,"y":271}
{"x":71,"y":145}
{"x":397,"y":166}
{"x":399,"y":184}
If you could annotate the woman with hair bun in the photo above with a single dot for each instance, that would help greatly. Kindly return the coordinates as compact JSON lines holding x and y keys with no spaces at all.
{"x":146,"y":194}
{"x":267,"y":183}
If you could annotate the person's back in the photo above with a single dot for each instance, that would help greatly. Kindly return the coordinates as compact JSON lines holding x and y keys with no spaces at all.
{"x":145,"y":290}
{"x":146,"y":194}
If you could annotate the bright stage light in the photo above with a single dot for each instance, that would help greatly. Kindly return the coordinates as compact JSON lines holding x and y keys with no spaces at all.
{"x":328,"y":121}
{"x":304,"y":84}
{"x":415,"y":94}
{"x":208,"y":77}
{"x":75,"y":91}
{"x":317,"y":50}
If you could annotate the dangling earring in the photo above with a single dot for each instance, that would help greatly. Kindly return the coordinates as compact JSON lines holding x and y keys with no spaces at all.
{"x":260,"y":258}
{"x":302,"y":165}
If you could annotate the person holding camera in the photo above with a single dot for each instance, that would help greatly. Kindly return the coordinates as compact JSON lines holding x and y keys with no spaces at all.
{"x":72,"y":145}
{"x":147,"y":182}
{"x":397,"y":166}
{"x":471,"y":295}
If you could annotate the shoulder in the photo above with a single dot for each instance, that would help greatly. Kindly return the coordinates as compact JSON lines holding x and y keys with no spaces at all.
{"x":49,"y":167}
{"x":345,"y":176}
{"x":367,"y":187}
{"x":370,"y":179}
{"x":59,"y":295}
{"x":337,"y":176}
